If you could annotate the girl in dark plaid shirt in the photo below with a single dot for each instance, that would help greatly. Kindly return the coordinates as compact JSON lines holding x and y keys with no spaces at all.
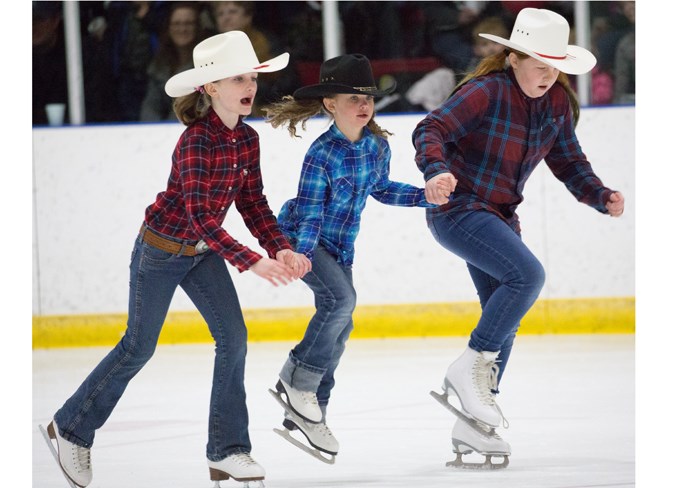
{"x":513,"y":111}
{"x":341,"y":169}
{"x":182,"y":243}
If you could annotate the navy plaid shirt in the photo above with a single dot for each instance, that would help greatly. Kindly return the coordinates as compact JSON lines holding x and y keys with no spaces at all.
{"x":337,"y":176}
{"x":212,"y":167}
{"x":491,"y":137}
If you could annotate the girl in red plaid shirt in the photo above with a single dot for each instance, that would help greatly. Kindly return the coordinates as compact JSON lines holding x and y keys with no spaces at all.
{"x":181,"y":243}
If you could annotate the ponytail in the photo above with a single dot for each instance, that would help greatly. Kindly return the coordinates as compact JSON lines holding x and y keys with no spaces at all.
{"x":192,"y":107}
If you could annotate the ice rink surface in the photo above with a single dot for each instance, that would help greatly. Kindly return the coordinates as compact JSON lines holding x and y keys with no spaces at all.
{"x":570,"y":401}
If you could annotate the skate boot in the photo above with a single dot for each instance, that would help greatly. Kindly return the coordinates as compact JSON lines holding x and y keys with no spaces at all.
{"x":75,"y":461}
{"x":303,"y":403}
{"x":239,"y":466}
{"x":473,"y":379}
{"x":321,"y":442}
{"x":318,"y":435}
{"x":481,"y":440}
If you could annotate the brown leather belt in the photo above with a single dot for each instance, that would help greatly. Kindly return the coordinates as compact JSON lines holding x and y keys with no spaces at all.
{"x":173,"y":247}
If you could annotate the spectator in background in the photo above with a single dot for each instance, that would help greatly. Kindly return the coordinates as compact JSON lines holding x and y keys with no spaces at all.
{"x":449,"y":26}
{"x":97,"y":63}
{"x":434,"y":88}
{"x":610,"y":24}
{"x":374,"y":29}
{"x":134,"y":30}
{"x":624,"y":61}
{"x":50,"y":80}
{"x":482,"y":47}
{"x":182,"y":32}
{"x":239,"y":16}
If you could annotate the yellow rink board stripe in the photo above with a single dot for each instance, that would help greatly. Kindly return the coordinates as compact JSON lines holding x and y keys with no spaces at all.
{"x":555,"y":316}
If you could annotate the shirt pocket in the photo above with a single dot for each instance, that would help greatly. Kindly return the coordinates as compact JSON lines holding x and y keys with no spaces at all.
{"x":343,"y":190}
{"x":550,"y":127}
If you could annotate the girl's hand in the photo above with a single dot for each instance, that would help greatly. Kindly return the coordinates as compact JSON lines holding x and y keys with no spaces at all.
{"x":273,"y":271}
{"x":298,"y":263}
{"x":438,"y":188}
{"x":616,"y":204}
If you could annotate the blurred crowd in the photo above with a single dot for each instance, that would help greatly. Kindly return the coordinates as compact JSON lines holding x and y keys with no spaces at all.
{"x":130,"y":48}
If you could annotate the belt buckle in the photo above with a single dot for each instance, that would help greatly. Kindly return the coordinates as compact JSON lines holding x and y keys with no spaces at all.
{"x":201,"y":247}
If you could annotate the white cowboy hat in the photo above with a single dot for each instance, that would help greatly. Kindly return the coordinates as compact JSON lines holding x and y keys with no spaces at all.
{"x":218,"y":57}
{"x":544,"y":35}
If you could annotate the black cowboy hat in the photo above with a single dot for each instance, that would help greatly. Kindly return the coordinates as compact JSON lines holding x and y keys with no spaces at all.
{"x":349,"y":73}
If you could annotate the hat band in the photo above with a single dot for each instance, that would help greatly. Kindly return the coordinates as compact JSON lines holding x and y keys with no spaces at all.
{"x":365,"y":88}
{"x":550,"y":57}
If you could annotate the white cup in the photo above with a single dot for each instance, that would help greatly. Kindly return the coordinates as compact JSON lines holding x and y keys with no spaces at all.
{"x":55,"y":113}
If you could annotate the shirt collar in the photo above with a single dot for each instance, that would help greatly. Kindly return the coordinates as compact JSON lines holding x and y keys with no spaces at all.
{"x":216,"y":122}
{"x":337,"y":134}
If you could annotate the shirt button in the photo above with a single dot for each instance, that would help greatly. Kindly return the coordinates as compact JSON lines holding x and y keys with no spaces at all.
{"x":223,"y":208}
{"x":233,"y":140}
{"x":230,"y":187}
{"x":235,"y":166}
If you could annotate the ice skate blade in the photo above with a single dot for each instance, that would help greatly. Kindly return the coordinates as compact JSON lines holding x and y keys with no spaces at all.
{"x":475,"y":424}
{"x":313,"y":452}
{"x":48,"y":440}
{"x":487,"y":465}
{"x":245,"y":485}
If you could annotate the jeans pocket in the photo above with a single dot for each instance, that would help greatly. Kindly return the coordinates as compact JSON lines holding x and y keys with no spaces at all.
{"x":154,"y":255}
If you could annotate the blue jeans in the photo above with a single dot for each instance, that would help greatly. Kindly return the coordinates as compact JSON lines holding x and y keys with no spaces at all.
{"x":312,"y":363}
{"x":154,"y":277}
{"x":507,"y":276}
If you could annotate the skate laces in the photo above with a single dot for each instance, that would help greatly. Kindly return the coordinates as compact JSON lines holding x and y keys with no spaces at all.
{"x":308,"y":397}
{"x":323,"y":429}
{"x":485,"y":376}
{"x":244,"y":459}
{"x":81,"y":458}
{"x":485,"y":379}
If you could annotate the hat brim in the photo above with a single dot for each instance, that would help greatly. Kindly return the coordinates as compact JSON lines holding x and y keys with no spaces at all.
{"x":327,"y":89}
{"x":577,"y":62}
{"x":186,"y":82}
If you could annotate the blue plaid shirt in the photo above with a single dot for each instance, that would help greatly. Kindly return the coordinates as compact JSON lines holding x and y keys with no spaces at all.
{"x":336,"y":178}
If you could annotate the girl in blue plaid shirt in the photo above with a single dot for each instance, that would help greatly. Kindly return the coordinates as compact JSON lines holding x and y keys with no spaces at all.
{"x":345,"y":165}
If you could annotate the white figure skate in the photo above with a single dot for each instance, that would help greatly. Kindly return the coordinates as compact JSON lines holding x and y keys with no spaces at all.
{"x":73,"y":460}
{"x":318,"y":435}
{"x":240,"y":466}
{"x":467,"y":440}
{"x":473,"y":379}
{"x":302,"y":403}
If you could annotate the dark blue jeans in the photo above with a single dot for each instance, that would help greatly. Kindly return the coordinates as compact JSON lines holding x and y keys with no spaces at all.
{"x":154,"y":277}
{"x":312,"y":363}
{"x":507,"y":276}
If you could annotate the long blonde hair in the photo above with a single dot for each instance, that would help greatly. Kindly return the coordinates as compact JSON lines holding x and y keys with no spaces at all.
{"x":192,"y":107}
{"x":290,"y":111}
{"x":499,"y":61}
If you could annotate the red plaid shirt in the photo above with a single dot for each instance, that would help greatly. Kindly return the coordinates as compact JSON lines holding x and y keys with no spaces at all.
{"x":491,"y":137}
{"x":212,"y":167}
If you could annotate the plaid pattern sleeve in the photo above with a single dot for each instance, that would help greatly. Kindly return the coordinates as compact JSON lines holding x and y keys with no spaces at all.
{"x":394,"y":192}
{"x":569,"y":165}
{"x":337,"y":177}
{"x":310,"y":203}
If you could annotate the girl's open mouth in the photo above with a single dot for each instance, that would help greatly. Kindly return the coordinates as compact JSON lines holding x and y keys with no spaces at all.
{"x":246,"y":101}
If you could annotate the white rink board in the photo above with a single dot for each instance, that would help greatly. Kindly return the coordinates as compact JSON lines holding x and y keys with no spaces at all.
{"x":92,"y":185}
